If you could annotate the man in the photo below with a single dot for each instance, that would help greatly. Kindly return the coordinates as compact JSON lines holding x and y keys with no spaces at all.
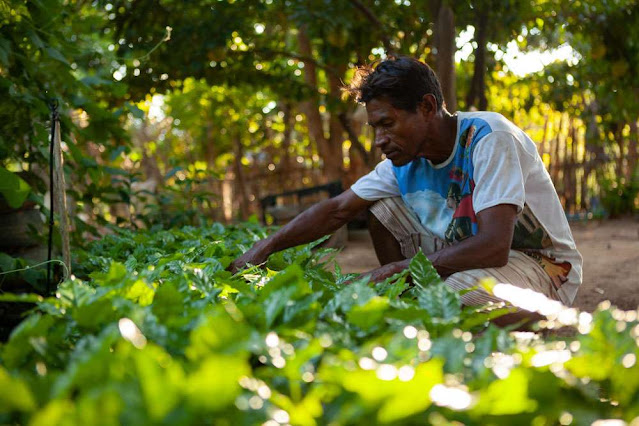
{"x":469,"y":189}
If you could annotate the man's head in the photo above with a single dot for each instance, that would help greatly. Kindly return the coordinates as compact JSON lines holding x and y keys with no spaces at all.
{"x":402,"y":81}
{"x":403,"y":98}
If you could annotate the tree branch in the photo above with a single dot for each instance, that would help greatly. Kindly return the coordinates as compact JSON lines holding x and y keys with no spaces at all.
{"x":271,"y":52}
{"x":375,"y":21}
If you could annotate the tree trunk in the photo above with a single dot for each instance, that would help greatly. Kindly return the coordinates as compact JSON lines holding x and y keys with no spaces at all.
{"x":335,"y":168}
{"x":543,"y":149}
{"x":633,"y":154}
{"x":285,"y":163}
{"x":331,"y":167}
{"x":618,"y":135}
{"x":240,"y":183}
{"x":444,"y":43}
{"x":554,"y":159}
{"x":209,"y":146}
{"x":569,"y":168}
{"x":594,"y":145}
{"x":585,"y":166}
{"x":477,"y":93}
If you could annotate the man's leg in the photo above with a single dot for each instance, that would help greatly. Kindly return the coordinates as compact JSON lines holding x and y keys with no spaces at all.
{"x":386,"y":246}
{"x":395,"y":221}
{"x":522,"y":271}
{"x":397,"y":233}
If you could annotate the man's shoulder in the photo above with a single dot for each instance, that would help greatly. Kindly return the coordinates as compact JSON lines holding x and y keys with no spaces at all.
{"x":486,"y":120}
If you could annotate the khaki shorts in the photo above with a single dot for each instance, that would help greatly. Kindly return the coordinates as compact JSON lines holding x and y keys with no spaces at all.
{"x":522,"y":270}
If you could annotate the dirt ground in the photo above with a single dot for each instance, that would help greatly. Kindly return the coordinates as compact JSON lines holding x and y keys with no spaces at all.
{"x":610,"y":250}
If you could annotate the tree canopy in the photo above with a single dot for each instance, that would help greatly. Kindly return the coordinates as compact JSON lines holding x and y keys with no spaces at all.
{"x":251,"y":90}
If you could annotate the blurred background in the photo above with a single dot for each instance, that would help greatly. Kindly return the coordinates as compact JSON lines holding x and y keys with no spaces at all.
{"x":182,"y":113}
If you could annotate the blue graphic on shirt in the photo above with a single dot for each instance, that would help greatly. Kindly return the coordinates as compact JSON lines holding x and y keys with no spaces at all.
{"x":442,"y":197}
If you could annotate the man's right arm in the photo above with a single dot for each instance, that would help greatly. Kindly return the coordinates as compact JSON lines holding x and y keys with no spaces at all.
{"x":321,"y":219}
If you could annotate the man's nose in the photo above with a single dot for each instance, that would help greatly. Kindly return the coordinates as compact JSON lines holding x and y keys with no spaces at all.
{"x":381,"y":139}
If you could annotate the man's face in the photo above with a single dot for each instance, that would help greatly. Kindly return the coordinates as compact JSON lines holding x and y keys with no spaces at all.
{"x":399,"y":134}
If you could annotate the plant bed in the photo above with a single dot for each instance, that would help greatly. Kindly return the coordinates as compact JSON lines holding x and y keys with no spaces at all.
{"x":154,"y":330}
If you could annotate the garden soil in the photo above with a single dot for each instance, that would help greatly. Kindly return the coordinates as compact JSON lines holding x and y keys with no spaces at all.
{"x":610,"y":250}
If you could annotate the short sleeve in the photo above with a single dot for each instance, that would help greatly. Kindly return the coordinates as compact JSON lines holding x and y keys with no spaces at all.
{"x":499,"y":172}
{"x":378,"y":184}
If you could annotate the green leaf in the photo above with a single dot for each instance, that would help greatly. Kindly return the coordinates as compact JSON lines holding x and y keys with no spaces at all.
{"x":282,"y":289}
{"x":370,"y":314}
{"x":22,"y":297}
{"x":140,"y":292}
{"x":26,"y":339}
{"x":13,"y":188}
{"x":14,"y":394}
{"x":423,"y":271}
{"x":5,"y":51}
{"x":394,"y":399}
{"x":291,"y":277}
{"x":168,"y":302}
{"x":55,"y":54}
{"x":393,"y":286}
{"x":218,"y":333}
{"x":356,"y":293}
{"x":161,"y":379}
{"x":7,"y":263}
{"x":452,"y":351}
{"x":481,"y":317}
{"x":95,"y":314}
{"x":56,"y":412}
{"x":215,"y":384}
{"x":115,"y":275}
{"x":442,"y":303}
{"x":92,"y":80}
{"x":275,"y":303}
{"x":493,"y":401}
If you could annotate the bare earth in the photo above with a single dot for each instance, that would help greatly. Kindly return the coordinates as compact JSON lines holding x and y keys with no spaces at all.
{"x":611,"y":261}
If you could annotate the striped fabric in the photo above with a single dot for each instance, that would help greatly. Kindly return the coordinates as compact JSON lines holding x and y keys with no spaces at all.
{"x":522,"y":270}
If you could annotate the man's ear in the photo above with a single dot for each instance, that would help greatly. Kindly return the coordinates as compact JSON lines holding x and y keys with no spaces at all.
{"x":428,"y":105}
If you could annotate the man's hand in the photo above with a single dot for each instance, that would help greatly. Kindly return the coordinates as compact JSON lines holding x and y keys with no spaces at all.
{"x":489,"y":248}
{"x":255,"y":256}
{"x":388,"y":270}
{"x":321,"y":219}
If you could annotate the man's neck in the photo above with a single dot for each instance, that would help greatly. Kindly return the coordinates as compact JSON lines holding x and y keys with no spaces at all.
{"x":445,"y":137}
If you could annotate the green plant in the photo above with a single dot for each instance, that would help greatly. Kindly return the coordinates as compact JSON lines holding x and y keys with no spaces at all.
{"x":620,"y":196}
{"x":12,"y":188}
{"x":154,"y":330}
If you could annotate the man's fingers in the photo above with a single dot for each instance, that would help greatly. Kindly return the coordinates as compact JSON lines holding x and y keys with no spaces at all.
{"x":235,"y":266}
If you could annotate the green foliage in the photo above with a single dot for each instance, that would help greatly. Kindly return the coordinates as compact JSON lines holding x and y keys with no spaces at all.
{"x":154,"y":330}
{"x":13,"y":188}
{"x":620,"y":196}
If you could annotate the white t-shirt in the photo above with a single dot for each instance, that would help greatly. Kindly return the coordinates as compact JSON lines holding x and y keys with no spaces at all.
{"x":493,"y":162}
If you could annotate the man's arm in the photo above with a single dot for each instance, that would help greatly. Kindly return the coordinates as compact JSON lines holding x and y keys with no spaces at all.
{"x":488,"y":248}
{"x":319,"y":220}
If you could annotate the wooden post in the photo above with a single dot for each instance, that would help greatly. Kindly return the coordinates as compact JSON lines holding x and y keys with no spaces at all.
{"x":59,"y":189}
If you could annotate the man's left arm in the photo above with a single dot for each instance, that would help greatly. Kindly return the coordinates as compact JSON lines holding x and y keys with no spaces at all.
{"x":488,"y":248}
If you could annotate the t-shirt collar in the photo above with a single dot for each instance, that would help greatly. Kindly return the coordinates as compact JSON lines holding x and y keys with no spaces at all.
{"x":454,"y":151}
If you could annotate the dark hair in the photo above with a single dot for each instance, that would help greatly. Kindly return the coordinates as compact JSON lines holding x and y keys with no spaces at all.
{"x":402,"y":80}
